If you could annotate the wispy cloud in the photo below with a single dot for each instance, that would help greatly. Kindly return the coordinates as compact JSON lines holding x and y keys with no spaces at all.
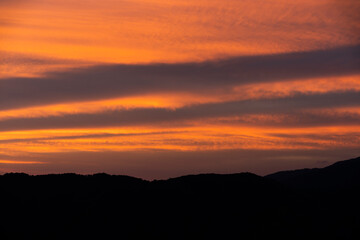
{"x":87,"y":136}
{"x":146,"y":116}
{"x":17,"y":162}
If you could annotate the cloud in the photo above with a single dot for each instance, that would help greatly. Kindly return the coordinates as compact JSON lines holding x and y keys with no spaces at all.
{"x":148,"y":116}
{"x":33,"y":60}
{"x":109,"y":81}
{"x":294,"y":120}
{"x":320,"y":136}
{"x":28,"y":65}
{"x":86,"y":136}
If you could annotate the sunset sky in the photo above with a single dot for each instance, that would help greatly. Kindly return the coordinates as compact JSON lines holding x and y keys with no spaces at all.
{"x":162,"y":88}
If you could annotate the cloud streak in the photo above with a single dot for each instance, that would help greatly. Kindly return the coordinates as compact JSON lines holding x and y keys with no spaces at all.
{"x":86,"y":136}
{"x":125,"y":80}
{"x":146,"y":116}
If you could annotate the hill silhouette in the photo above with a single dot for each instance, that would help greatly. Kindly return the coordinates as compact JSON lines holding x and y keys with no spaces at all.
{"x":309,"y":203}
{"x":340,"y":175}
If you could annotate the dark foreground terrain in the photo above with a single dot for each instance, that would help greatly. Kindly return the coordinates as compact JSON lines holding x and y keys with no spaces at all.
{"x":302,"y":204}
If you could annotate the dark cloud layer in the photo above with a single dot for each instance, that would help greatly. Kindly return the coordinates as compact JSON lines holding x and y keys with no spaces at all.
{"x":124,"y":80}
{"x":145,"y":116}
{"x":298,"y":120}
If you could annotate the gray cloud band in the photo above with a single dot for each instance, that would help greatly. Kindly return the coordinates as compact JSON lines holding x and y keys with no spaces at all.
{"x":145,"y":116}
{"x":108,"y":81}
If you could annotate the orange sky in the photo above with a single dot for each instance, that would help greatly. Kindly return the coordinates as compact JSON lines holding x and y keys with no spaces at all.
{"x":154,"y":88}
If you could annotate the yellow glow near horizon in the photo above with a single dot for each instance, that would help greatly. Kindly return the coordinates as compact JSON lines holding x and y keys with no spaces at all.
{"x":17,"y":162}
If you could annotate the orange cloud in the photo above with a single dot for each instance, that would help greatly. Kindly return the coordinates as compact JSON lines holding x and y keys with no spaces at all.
{"x":18,"y":162}
{"x":144,"y":31}
{"x":199,"y":137}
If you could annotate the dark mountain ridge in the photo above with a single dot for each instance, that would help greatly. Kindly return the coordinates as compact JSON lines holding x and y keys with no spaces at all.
{"x":340,"y":175}
{"x":308,"y":203}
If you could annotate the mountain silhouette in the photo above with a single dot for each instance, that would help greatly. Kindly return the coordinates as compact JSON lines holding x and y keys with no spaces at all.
{"x":309,"y":203}
{"x":340,"y":175}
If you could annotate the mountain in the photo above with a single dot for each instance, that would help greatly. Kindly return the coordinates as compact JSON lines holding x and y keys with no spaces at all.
{"x":309,"y":203}
{"x":341,"y":175}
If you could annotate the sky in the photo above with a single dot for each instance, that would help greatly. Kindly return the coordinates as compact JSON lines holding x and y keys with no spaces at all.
{"x":158,"y":89}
